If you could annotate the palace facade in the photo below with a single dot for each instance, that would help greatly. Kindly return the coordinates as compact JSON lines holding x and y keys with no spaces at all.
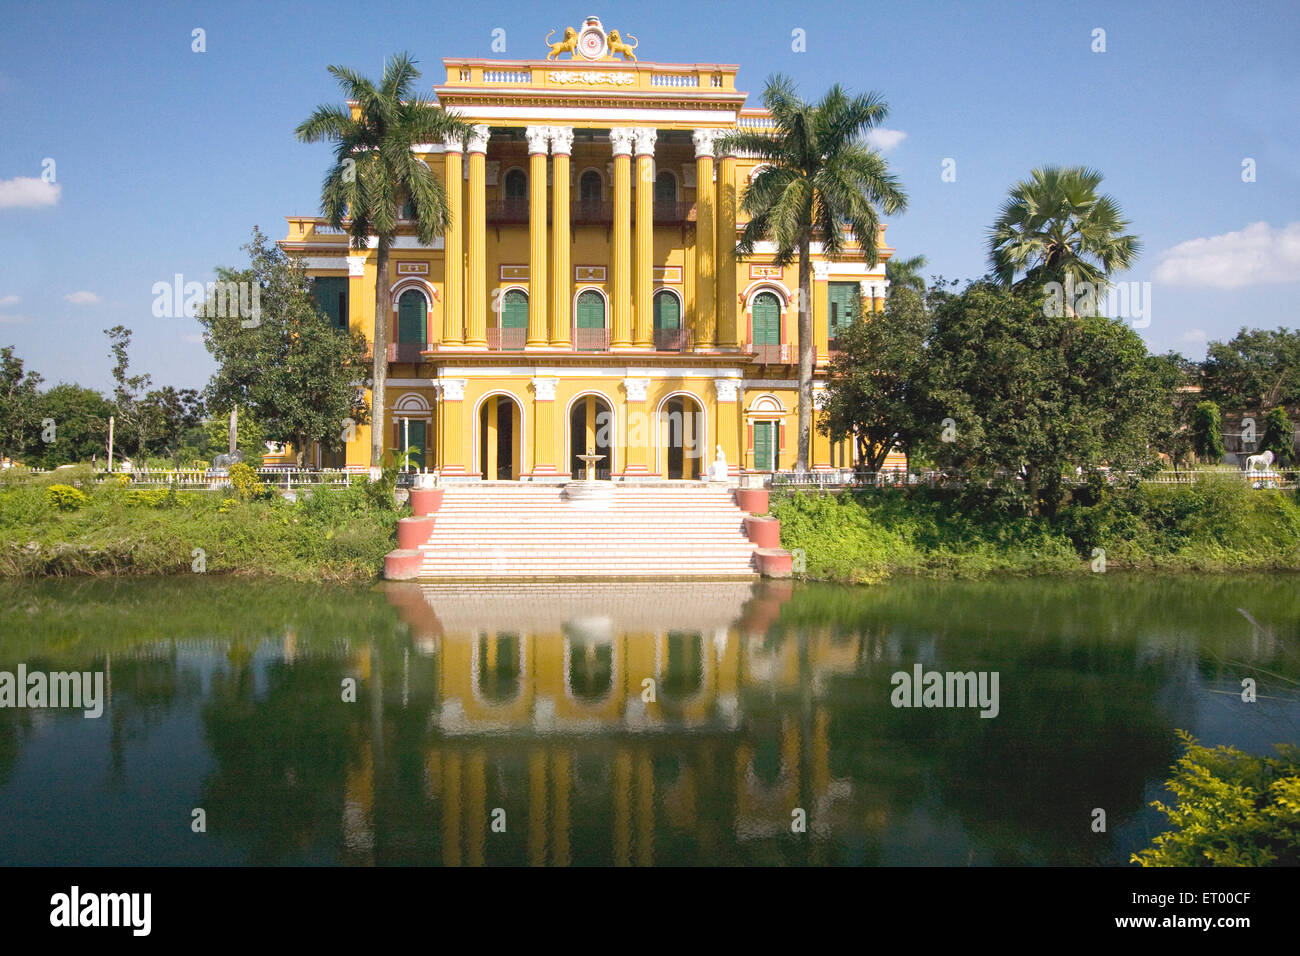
{"x":586,"y":295}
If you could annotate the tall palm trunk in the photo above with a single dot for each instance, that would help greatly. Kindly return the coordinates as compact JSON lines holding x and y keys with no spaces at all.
{"x":380,"y":368}
{"x":807,"y":349}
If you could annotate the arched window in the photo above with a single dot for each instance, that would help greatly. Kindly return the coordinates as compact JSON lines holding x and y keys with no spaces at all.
{"x":590,"y":187}
{"x":516,"y":185}
{"x":514,"y":309}
{"x":767,"y":319}
{"x":412,"y":313}
{"x":667,"y":321}
{"x":665,"y":188}
{"x":589,"y":322}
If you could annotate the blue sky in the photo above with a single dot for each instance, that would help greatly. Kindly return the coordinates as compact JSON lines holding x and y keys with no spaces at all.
{"x":164,"y":158}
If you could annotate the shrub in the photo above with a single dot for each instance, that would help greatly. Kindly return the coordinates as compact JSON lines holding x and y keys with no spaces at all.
{"x":246,"y":483}
{"x":65,"y":497}
{"x":1233,"y":809}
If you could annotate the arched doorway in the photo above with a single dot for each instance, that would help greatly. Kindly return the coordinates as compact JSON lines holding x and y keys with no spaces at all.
{"x":500,"y":432}
{"x":591,"y":426}
{"x":681,"y":437}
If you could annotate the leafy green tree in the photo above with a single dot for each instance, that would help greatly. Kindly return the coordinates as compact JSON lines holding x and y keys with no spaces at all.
{"x":1032,"y":397}
{"x":1172,"y":429}
{"x":1055,"y":226}
{"x":1232,"y":809}
{"x":130,"y":429}
{"x":1279,"y":435}
{"x":302,"y":378}
{"x":19,"y":397}
{"x":1207,"y":432}
{"x":875,"y":385}
{"x":819,"y":176}
{"x":374,"y":173}
{"x":905,"y":274}
{"x":1255,"y":369}
{"x":80,"y":418}
{"x":168,"y":415}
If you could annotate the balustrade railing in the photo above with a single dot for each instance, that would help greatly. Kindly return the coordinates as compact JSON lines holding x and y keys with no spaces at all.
{"x":506,"y":340}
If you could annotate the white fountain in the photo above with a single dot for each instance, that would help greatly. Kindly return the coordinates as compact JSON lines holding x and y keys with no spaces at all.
{"x":590,"y":494}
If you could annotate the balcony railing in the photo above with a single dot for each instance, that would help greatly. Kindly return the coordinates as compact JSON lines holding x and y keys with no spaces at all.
{"x":405,"y":351}
{"x":507,"y":210}
{"x":591,"y":212}
{"x":591,"y":340}
{"x":672,"y":340}
{"x":672,"y":213}
{"x":770,"y":354}
{"x":506,"y":340}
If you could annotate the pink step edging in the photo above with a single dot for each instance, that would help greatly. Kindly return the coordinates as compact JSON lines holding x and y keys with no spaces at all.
{"x":413,"y":532}
{"x":425,"y":501}
{"x":764,"y":532}
{"x":403,"y":564}
{"x":752,"y":500}
{"x":774,"y":563}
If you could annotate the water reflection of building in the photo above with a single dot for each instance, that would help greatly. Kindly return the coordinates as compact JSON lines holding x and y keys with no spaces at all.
{"x":626,"y":707}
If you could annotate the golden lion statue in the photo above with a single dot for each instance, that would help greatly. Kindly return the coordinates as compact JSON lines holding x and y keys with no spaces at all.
{"x":567,"y":45}
{"x":617,"y":46}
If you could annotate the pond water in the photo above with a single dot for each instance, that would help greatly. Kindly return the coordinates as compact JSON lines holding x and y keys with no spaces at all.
{"x":711,"y":723}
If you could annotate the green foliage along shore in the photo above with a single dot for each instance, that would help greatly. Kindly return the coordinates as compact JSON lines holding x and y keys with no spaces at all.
{"x":1212,"y":525}
{"x":77,"y":527}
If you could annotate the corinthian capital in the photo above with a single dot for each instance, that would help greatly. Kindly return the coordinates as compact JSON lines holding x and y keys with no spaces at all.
{"x":645,"y":141}
{"x":704,"y":140}
{"x":478,"y":138}
{"x":621,"y":139}
{"x":561,"y":140}
{"x":538,"y":137}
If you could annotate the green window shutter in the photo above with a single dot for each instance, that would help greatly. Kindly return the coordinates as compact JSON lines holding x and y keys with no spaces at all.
{"x":331,"y":294}
{"x":668,"y":313}
{"x":665,"y":188}
{"x":516,"y":184}
{"x":763,"y":445}
{"x":419,"y":439}
{"x":591,"y":311}
{"x":411,"y":319}
{"x":767,"y":319}
{"x":842,"y":301}
{"x":514,"y":310}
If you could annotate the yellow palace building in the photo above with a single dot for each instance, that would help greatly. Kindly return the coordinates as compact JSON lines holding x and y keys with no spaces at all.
{"x":586,"y":295}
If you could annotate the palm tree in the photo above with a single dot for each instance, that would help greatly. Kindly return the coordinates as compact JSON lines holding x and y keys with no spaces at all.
{"x":906,"y":273}
{"x":819,"y":177}
{"x":1055,"y":226}
{"x":374,"y":173}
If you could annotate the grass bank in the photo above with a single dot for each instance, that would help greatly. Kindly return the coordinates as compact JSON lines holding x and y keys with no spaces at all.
{"x":1212,"y":525}
{"x":69,"y":526}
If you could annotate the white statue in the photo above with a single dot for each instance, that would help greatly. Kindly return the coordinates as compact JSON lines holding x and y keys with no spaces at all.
{"x":1260,"y":462}
{"x":719,"y":470}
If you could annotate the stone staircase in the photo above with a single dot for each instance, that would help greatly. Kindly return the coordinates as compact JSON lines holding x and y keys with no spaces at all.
{"x":524,"y":530}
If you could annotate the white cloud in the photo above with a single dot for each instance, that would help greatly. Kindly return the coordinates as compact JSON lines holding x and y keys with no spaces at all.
{"x":27,"y":192}
{"x":885,"y":139}
{"x":83,"y":298}
{"x":1256,"y":255}
{"x":11,"y":319}
{"x":194,"y":338}
{"x":1194,"y":335}
{"x":6,"y":300}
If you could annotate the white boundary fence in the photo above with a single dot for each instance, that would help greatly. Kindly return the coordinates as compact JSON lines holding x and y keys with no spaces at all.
{"x":848,"y":478}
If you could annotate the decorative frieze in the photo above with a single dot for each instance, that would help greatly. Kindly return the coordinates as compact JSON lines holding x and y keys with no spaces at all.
{"x":591,"y":77}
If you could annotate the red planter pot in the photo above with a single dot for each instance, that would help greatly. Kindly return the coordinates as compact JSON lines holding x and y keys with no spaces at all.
{"x":425,"y":501}
{"x":403,"y":565}
{"x":413,"y":532}
{"x":774,"y":563}
{"x":764,"y":532}
{"x":753,"y":500}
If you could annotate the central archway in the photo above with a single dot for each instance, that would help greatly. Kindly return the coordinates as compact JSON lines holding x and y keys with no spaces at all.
{"x":500,"y":438}
{"x":682,"y":437}
{"x":591,"y":426}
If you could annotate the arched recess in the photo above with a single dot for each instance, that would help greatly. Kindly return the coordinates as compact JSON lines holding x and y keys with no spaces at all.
{"x":413,"y":428}
{"x":683,"y":439}
{"x":499,"y":437}
{"x":590,"y":421}
{"x":765,"y":433}
{"x":590,"y":320}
